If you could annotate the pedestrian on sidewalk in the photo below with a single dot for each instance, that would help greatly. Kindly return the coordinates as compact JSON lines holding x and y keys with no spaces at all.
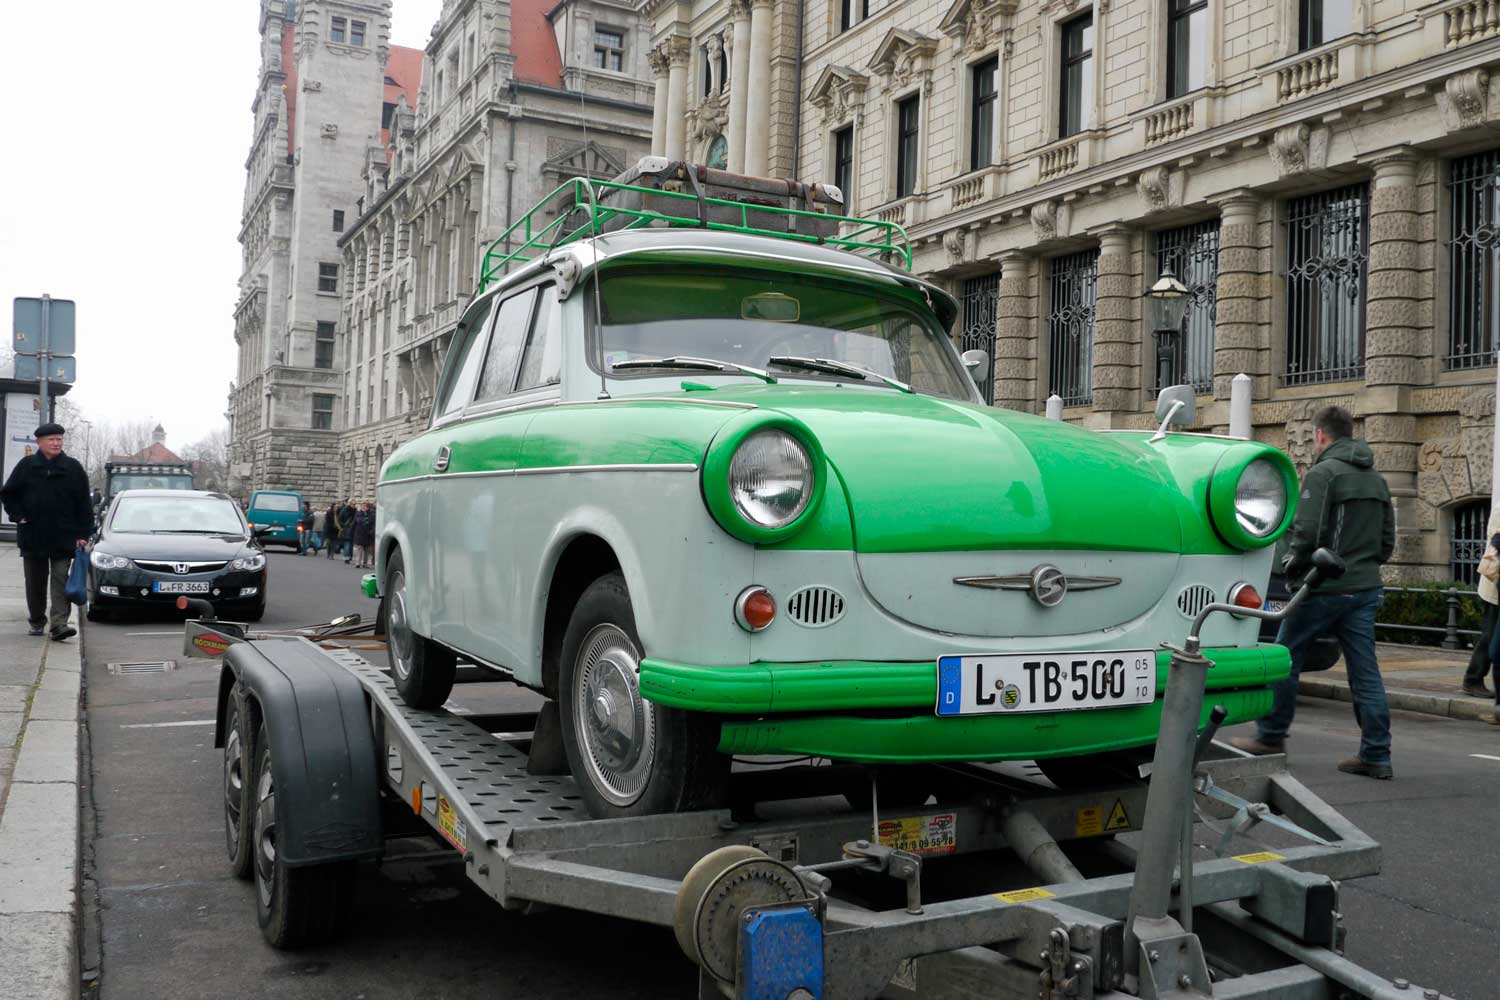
{"x":1345,"y":506}
{"x":346,"y":528}
{"x":47,"y":495}
{"x":331,"y":527}
{"x":318,"y":521}
{"x":304,"y":530}
{"x":364,"y":535}
{"x":1480,"y":659}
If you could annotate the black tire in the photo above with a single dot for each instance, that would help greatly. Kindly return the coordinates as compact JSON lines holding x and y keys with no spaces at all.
{"x":256,"y":613}
{"x":1096,"y":770}
{"x":239,"y":760}
{"x":421,"y":669}
{"x":97,"y":614}
{"x":669,"y":758}
{"x":295,"y":907}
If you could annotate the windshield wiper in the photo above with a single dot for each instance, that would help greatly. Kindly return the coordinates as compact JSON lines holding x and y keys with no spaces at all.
{"x":694,"y":364}
{"x":838,"y":368}
{"x":190,"y":531}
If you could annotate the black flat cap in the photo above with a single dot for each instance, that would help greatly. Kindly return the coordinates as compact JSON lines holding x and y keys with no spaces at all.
{"x":47,"y":430}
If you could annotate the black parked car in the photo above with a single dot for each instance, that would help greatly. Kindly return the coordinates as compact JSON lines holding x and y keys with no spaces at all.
{"x":154,"y":546}
{"x":1325,"y":651}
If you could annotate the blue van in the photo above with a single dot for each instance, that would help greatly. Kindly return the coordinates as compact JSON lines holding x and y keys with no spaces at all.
{"x":278,"y":509}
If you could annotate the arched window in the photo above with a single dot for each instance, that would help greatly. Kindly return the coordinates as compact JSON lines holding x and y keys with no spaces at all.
{"x":1468,"y":539}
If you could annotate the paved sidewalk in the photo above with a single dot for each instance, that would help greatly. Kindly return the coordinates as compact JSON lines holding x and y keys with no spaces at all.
{"x":39,"y":833}
{"x":1417,"y":679}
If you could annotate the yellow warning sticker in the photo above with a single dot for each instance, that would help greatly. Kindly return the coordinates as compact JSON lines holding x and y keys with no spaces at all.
{"x":1118,"y":818}
{"x":1024,"y":895}
{"x":921,"y":834}
{"x":1090,"y":822}
{"x":1259,"y":857}
{"x":451,"y":826}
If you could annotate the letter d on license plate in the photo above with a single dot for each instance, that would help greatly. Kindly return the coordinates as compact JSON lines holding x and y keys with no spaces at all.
{"x":1045,"y":682}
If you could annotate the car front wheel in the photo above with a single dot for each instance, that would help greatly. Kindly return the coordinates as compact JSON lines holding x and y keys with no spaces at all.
{"x":630,"y":757}
{"x":422,"y":669}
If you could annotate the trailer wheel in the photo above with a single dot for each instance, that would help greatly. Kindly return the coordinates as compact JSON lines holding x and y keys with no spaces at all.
{"x":422,"y":669}
{"x":238,"y":788}
{"x":300,"y":906}
{"x":630,"y":757}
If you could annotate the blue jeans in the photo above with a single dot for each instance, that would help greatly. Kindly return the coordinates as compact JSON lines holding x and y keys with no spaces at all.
{"x":1351,"y":619}
{"x":311,"y":540}
{"x":348,"y":548}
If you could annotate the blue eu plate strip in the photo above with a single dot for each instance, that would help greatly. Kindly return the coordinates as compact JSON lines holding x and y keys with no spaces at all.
{"x":950,"y":681}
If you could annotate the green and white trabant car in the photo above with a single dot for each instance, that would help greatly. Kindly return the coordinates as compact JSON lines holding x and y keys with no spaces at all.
{"x":722,"y":492}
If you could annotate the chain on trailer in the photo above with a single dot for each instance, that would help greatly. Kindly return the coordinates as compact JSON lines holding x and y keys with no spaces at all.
{"x":815,"y":902}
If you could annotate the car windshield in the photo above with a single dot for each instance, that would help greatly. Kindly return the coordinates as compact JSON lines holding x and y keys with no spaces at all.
{"x":147,"y":481}
{"x":184,"y":515}
{"x":275,"y":502}
{"x":744,"y":318}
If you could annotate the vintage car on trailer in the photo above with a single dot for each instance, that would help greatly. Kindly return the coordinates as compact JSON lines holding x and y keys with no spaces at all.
{"x":717,"y":481}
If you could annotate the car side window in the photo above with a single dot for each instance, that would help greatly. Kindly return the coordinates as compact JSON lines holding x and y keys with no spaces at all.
{"x":463,"y":358}
{"x":499,"y":373}
{"x":541,"y":363}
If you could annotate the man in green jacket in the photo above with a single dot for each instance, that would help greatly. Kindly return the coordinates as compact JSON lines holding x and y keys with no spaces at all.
{"x":1345,"y":506}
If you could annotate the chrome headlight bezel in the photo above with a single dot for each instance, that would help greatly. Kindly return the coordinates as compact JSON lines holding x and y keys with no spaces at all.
{"x":251,"y":563}
{"x":108,"y":560}
{"x":758,"y":455}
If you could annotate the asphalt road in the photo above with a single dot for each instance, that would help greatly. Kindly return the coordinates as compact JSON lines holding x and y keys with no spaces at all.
{"x":167,"y":920}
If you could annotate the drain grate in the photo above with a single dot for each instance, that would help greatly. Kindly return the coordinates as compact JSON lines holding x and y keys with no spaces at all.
{"x":142,"y":667}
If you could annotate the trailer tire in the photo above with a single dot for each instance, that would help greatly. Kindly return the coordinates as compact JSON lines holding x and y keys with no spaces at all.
{"x":421,"y":669}
{"x":295,"y":907}
{"x":630,"y":757}
{"x":239,"y":759}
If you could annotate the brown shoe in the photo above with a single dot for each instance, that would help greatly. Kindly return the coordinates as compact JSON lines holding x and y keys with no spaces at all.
{"x":1253,"y":744}
{"x":1493,"y":718}
{"x":1354,"y":765}
{"x":1478,"y":691}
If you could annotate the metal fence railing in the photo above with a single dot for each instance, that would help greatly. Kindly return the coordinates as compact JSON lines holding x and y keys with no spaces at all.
{"x":1450,"y":631}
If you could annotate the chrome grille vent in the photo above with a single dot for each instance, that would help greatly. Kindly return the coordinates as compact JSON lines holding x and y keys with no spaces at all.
{"x":815,"y":607}
{"x":1194,"y":599}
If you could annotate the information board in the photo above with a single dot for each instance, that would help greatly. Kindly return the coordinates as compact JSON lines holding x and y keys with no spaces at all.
{"x":23,"y":414}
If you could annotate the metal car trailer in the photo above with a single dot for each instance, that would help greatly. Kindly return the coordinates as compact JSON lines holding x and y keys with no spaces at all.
{"x":1005,"y":888}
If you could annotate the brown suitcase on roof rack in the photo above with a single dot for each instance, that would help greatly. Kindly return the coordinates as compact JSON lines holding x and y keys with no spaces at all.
{"x":660,"y":174}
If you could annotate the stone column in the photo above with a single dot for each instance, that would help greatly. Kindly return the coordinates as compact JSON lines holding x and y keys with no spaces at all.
{"x":677,"y":97}
{"x":1238,"y":344}
{"x":659,"y":67}
{"x":758,"y":100}
{"x":1116,"y":356}
{"x":1016,"y":334}
{"x":738,"y":45}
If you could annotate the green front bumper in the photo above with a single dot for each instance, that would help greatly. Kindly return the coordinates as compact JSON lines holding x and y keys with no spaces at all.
{"x":844,"y":709}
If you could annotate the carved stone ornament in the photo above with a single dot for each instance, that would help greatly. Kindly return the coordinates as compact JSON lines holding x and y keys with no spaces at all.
{"x":1153,"y":185}
{"x":657,"y":57}
{"x":1297,"y":149}
{"x":903,"y":56}
{"x":956,"y":242}
{"x":1044,"y":221}
{"x":1465,"y":99}
{"x":1299,"y":434}
{"x":839,"y":92}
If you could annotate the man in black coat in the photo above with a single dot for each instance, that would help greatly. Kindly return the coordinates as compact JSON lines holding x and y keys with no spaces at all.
{"x":47,"y":495}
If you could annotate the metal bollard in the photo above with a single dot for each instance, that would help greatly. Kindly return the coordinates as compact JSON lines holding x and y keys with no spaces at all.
{"x":1450,"y":634}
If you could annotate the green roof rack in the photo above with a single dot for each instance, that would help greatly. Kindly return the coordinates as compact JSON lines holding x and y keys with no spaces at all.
{"x":636,"y":207}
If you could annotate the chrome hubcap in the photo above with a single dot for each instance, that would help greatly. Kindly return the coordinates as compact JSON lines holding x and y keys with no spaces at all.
{"x":402,"y":643}
{"x":265,"y":834}
{"x":616,"y":726}
{"x":234,"y":782}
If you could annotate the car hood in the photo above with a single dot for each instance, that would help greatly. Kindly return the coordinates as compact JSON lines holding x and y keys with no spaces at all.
{"x":924,"y":474}
{"x":176,"y":548}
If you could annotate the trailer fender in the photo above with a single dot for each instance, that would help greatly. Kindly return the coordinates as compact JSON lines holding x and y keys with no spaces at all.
{"x":322,"y":748}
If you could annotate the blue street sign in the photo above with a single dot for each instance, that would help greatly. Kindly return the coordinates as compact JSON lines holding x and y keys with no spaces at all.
{"x":27,"y":337}
{"x":58,"y":369}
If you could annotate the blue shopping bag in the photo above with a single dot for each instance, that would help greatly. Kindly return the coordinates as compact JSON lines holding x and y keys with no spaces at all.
{"x":78,"y":579}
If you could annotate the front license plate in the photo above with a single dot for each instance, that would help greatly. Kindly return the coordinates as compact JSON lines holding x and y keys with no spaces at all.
{"x":185,"y":587}
{"x":1045,"y":682}
{"x":1276,"y":606}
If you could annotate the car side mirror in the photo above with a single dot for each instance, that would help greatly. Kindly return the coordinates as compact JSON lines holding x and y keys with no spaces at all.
{"x":1177,"y":404}
{"x":978,"y":364}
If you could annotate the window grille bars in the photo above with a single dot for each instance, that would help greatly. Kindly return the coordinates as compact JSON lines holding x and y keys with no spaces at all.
{"x":1327,"y":251}
{"x":1070,"y":326}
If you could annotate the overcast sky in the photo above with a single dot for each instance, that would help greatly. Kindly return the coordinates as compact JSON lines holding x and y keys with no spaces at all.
{"x":121,"y":180}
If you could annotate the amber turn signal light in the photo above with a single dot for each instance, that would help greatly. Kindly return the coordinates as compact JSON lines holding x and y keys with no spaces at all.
{"x":754,"y":609}
{"x":1243,"y":595}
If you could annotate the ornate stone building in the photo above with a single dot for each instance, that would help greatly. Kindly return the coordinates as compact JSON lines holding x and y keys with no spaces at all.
{"x":516,"y":98}
{"x":1323,"y":174}
{"x":329,"y":82}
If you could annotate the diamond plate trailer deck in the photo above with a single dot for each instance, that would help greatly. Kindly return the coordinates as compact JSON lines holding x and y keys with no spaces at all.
{"x":1266,"y":922}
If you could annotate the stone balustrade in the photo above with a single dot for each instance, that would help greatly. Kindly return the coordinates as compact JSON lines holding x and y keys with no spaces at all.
{"x":1169,"y":123}
{"x":1307,"y":76}
{"x":1470,"y":22}
{"x":893,"y":213}
{"x":968,"y":191}
{"x":1058,"y":160}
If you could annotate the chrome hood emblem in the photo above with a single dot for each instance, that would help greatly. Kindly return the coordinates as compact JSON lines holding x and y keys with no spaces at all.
{"x":1047,"y":584}
{"x":182,"y":568}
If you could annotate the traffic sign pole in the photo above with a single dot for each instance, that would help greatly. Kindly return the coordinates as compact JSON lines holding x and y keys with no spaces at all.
{"x":43,"y":357}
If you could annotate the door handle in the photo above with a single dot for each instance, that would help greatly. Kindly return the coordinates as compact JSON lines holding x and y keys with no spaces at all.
{"x":440,"y":461}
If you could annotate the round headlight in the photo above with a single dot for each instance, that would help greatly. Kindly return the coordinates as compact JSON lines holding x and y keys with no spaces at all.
{"x":1260,"y":498}
{"x":770,"y":478}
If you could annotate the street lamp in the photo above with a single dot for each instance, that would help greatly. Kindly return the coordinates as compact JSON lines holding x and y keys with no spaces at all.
{"x":1167,"y":302}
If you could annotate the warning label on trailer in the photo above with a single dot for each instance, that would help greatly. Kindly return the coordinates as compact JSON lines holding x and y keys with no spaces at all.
{"x":921,"y":834}
{"x":1118,"y":818}
{"x":1090,"y":822}
{"x":1024,"y":895}
{"x":1259,"y":857}
{"x":450,"y":826}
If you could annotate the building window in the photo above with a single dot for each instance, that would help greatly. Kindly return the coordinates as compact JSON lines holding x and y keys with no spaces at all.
{"x":1473,"y":260}
{"x":323,"y":346}
{"x":1076,"y":94}
{"x":982,"y":112}
{"x":1187,"y":40}
{"x":328,"y":278}
{"x":322,"y":412}
{"x":981,"y":299}
{"x":338,"y":220}
{"x":843,"y":164}
{"x":1320,"y":21}
{"x":1070,"y":326}
{"x":609,"y":49}
{"x":1325,"y":286}
{"x":338,"y":30}
{"x":852,"y":12}
{"x":908,"y":116}
{"x":1467,"y":547}
{"x":1192,"y":254}
{"x":387,"y":114}
{"x":357,"y":33}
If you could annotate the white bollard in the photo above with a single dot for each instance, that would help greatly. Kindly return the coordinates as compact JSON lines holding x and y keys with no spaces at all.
{"x":1054,"y":407}
{"x":1240,"y":390}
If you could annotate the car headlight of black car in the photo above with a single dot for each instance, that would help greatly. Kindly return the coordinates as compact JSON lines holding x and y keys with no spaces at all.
{"x":250,"y":563}
{"x":105,"y":560}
